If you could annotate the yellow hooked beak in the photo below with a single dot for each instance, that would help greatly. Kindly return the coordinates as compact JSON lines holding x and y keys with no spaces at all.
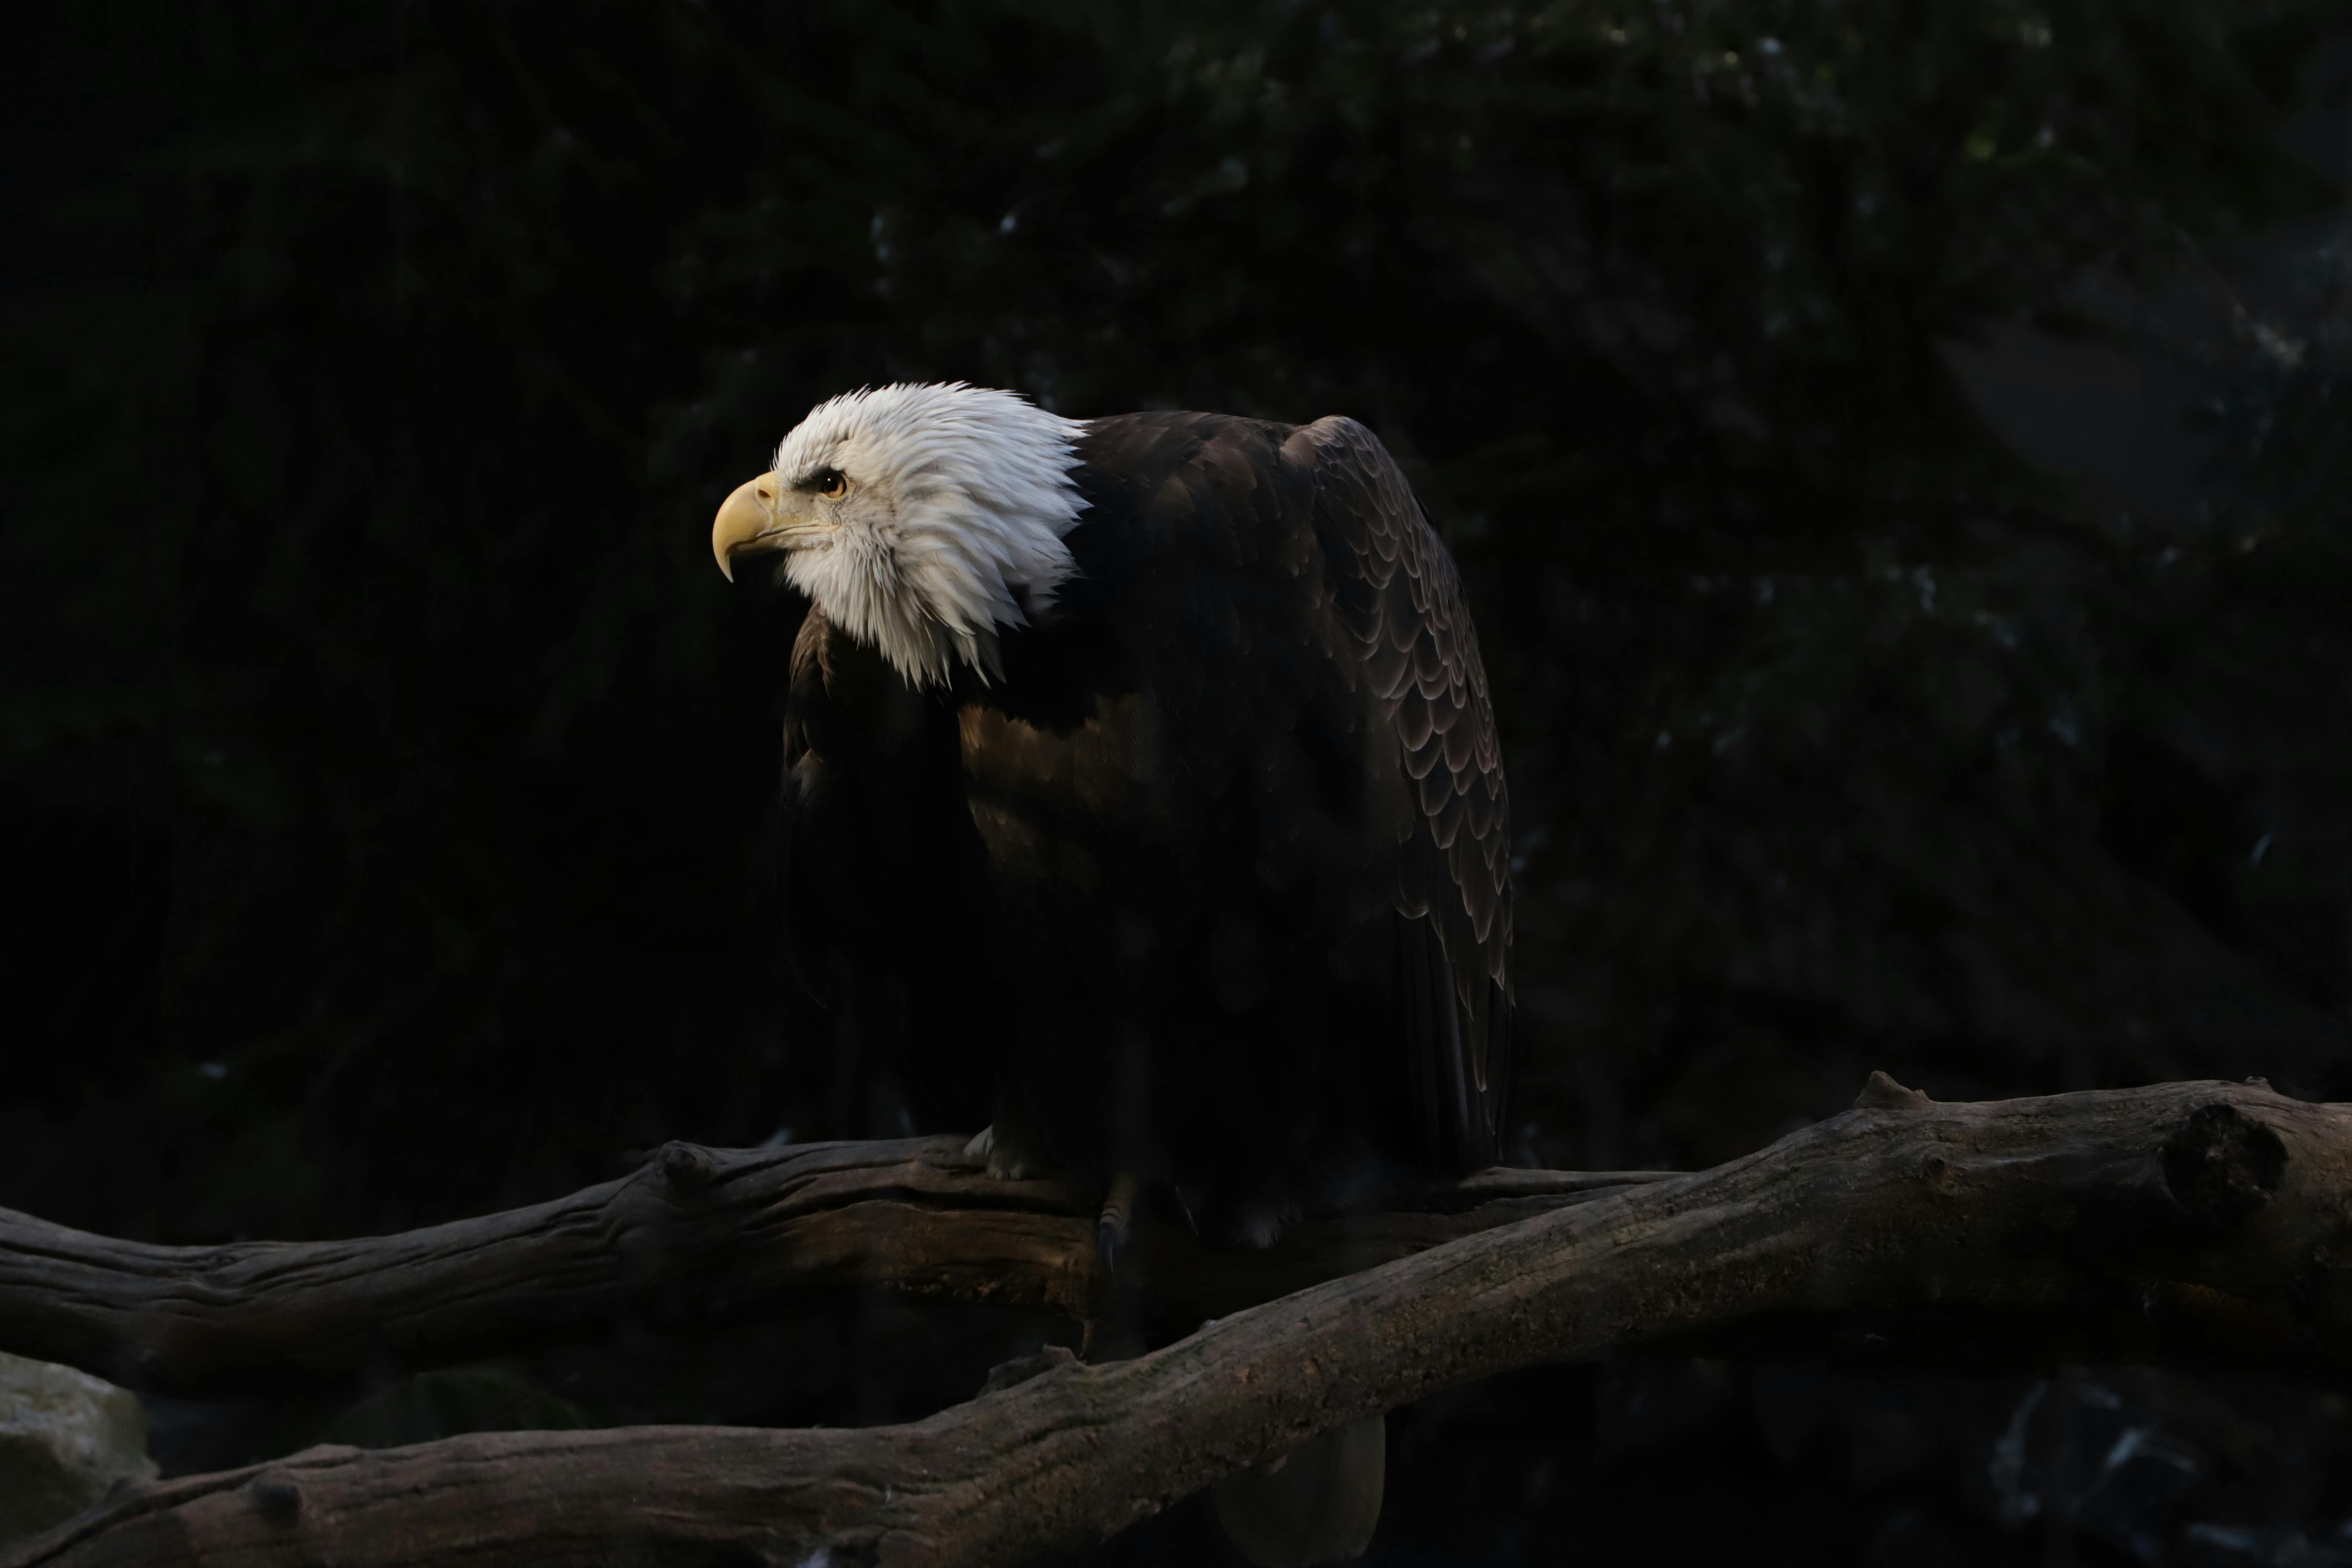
{"x":756,"y":518}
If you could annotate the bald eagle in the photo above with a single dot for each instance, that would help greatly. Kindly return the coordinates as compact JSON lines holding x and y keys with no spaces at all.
{"x":1143,"y":797}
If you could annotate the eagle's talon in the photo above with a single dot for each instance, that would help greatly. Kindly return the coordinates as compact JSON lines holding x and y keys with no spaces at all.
{"x":1108,"y":1238}
{"x":1118,"y":1217}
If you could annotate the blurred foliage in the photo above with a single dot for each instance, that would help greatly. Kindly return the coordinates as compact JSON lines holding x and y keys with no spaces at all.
{"x":387,"y":772}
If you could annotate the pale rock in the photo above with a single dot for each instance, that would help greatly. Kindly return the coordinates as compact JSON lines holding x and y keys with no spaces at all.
{"x":66,"y":1439}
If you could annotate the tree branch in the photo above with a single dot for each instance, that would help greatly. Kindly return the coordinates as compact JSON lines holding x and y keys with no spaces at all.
{"x":2203,"y":1222}
{"x":697,"y":1236}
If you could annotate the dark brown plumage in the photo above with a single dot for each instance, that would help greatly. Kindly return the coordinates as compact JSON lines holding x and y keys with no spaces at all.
{"x":1213,"y":885}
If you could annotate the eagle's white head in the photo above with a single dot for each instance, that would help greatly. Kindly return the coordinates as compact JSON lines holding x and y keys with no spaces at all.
{"x":919,"y":519}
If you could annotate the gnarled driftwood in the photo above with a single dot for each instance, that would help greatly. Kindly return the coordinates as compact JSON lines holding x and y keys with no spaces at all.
{"x":2200,"y":1222}
{"x":696,"y":1236}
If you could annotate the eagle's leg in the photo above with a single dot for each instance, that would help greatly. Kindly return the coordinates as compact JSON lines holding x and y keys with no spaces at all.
{"x":1118,"y":1217}
{"x":1317,"y":1503}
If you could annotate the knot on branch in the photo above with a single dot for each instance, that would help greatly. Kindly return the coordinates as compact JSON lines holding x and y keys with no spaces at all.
{"x":687,"y":1167}
{"x":274,"y":1497}
{"x":1021,"y":1369}
{"x":1883,"y":1093}
{"x":2222,"y":1165}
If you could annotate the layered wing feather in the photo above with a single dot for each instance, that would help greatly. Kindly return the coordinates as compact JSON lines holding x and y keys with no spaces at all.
{"x":1226,"y":845}
{"x":1408,"y":640}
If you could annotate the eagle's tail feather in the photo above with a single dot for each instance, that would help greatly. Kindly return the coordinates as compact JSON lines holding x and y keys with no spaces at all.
{"x":1317,"y":1503}
{"x":1457,"y":1055}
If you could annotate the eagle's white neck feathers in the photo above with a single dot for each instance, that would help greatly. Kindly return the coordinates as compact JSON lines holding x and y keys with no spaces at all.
{"x":959,"y":498}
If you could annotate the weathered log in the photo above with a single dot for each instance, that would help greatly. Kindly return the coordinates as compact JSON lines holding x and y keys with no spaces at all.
{"x":696,"y":1236}
{"x":2206,"y":1222}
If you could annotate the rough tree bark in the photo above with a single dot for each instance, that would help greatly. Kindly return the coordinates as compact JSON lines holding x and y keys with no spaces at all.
{"x":697,"y":1236}
{"x":2187,"y":1222}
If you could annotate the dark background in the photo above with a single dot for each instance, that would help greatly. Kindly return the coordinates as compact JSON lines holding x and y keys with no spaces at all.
{"x":1901,"y":453}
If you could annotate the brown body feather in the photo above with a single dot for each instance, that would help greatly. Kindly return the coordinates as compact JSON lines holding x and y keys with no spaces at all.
{"x":1213,"y":886}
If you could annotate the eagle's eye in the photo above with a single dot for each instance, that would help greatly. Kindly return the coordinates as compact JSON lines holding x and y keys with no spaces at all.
{"x":829,"y":484}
